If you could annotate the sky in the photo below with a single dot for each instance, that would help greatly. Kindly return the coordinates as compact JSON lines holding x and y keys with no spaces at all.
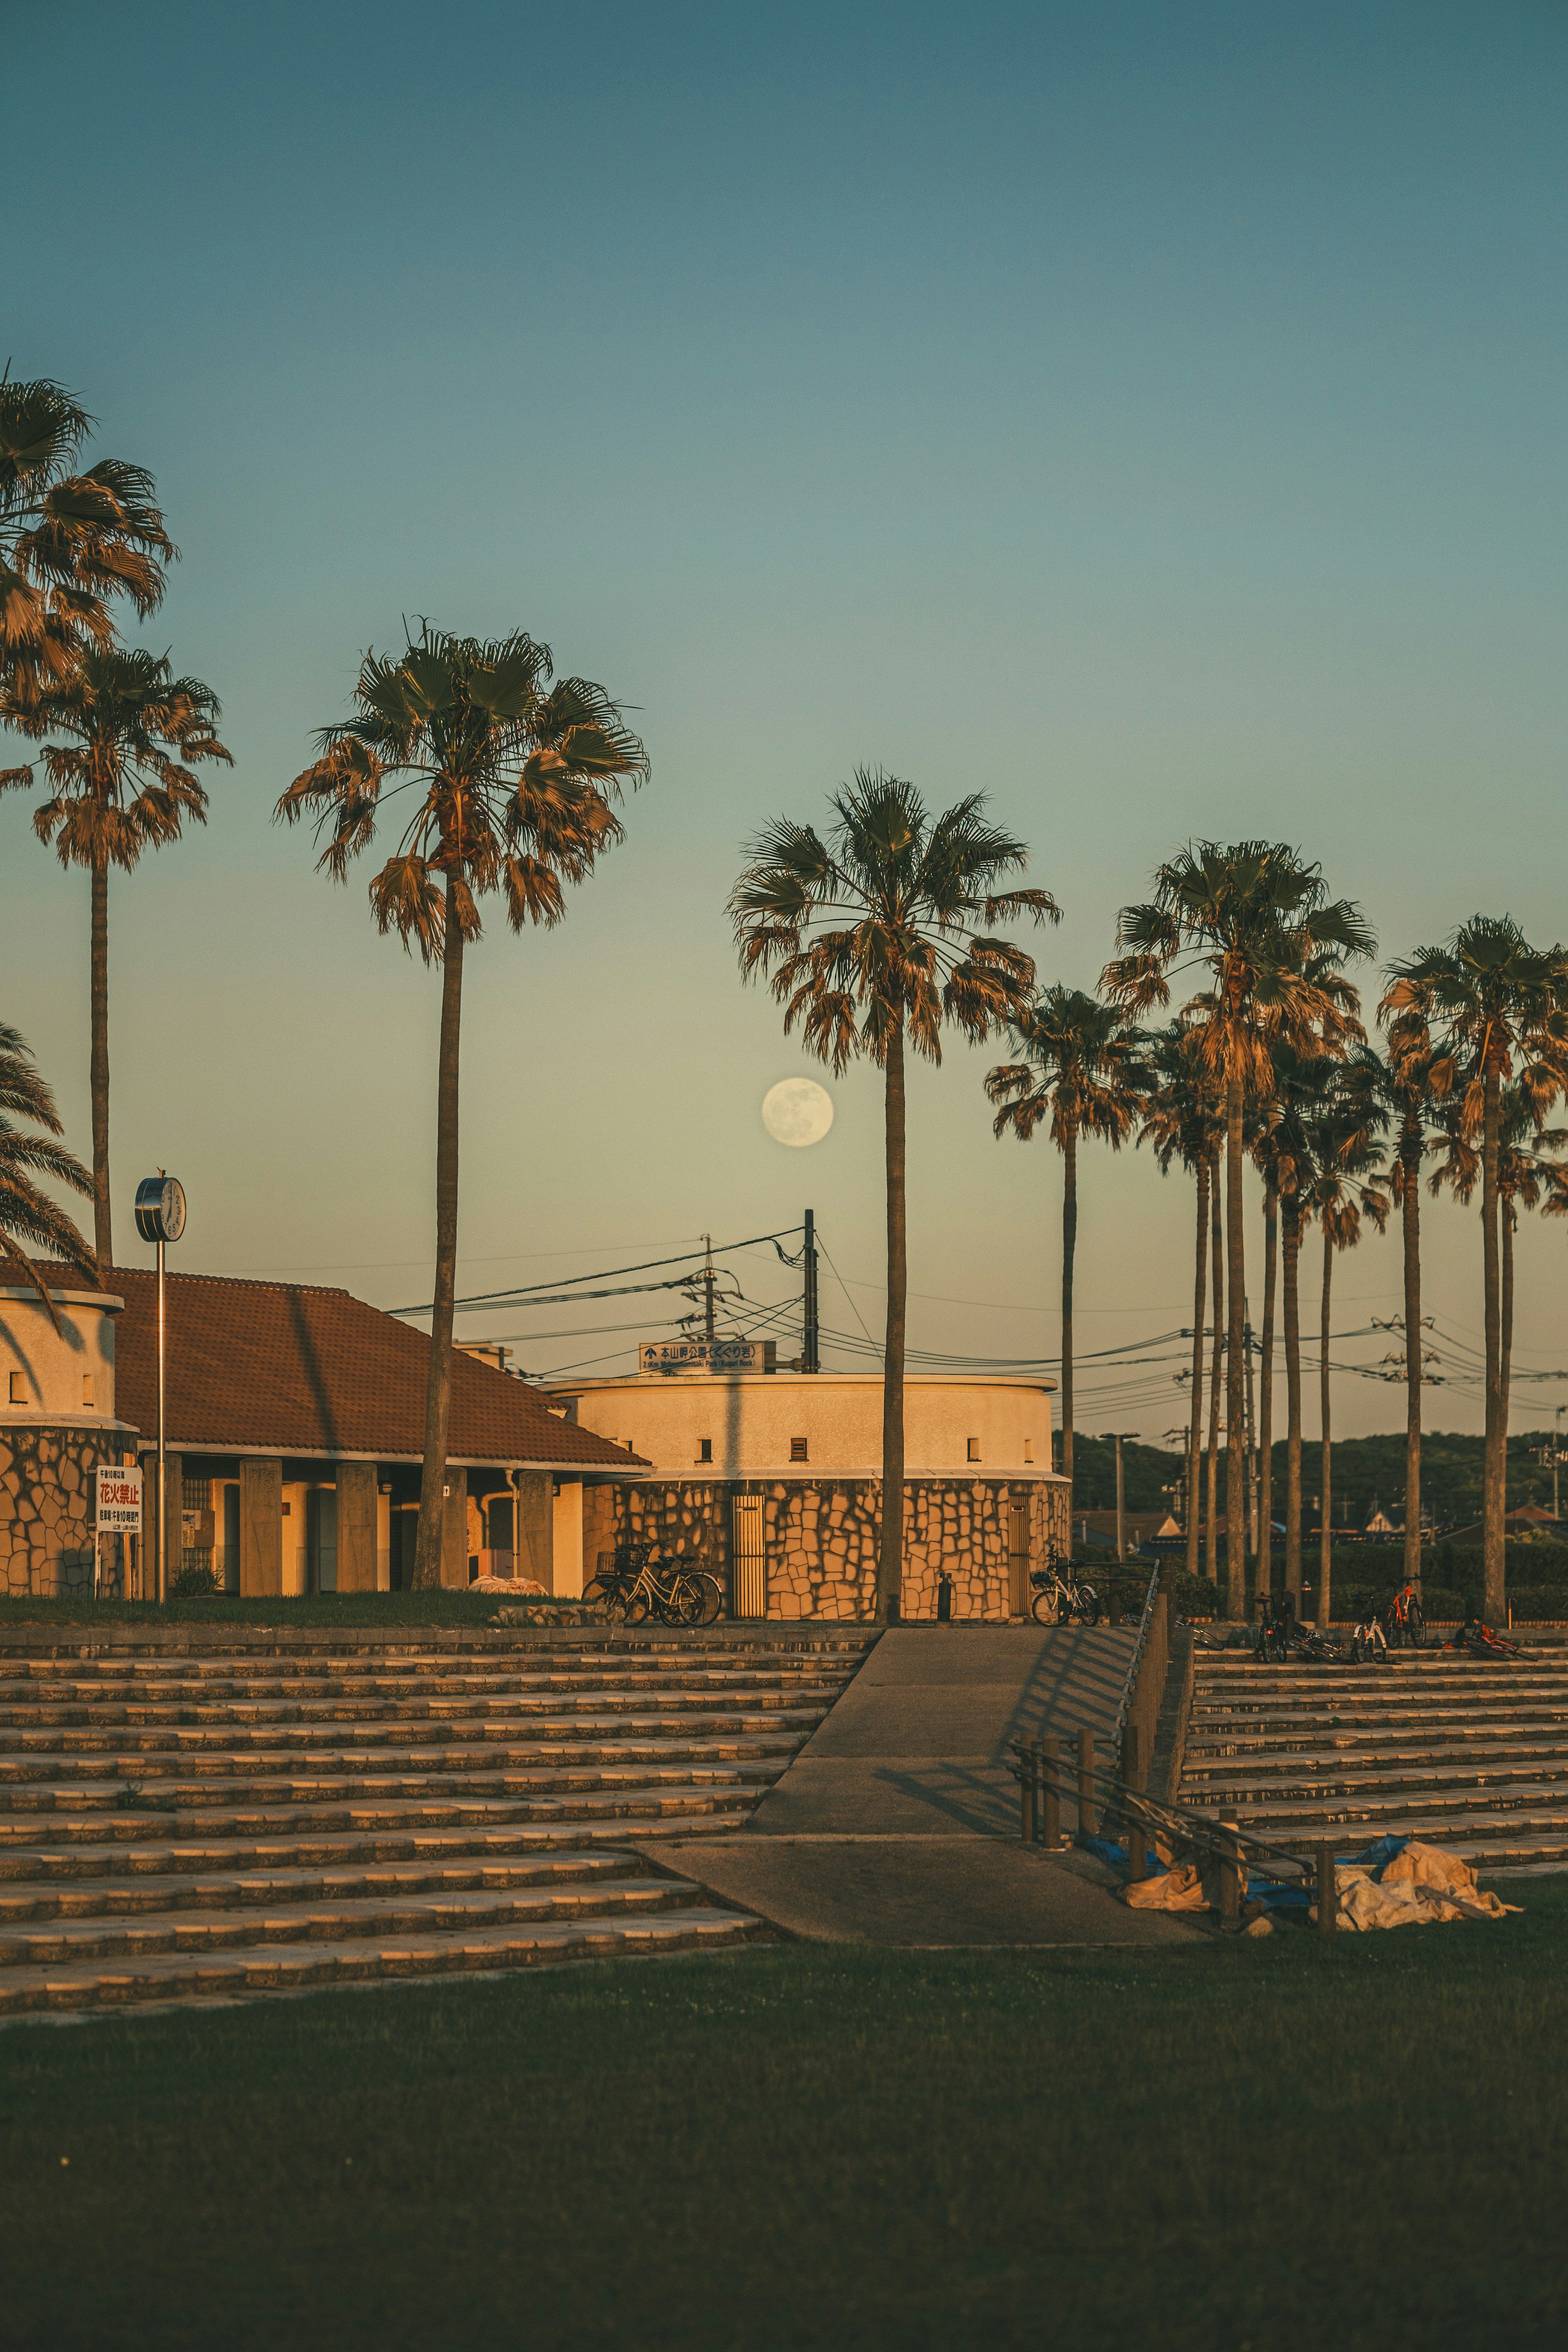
{"x":1150,"y":416}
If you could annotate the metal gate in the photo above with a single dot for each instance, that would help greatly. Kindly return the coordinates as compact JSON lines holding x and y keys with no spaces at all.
{"x":749,"y":1556}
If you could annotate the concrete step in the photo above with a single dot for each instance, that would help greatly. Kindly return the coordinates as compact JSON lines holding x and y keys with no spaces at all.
{"x":118,"y":1934}
{"x":251,"y":1881}
{"x":281,"y":1968}
{"x":447,"y":1806}
{"x":1547,"y":1806}
{"x":1272,"y":1767}
{"x":541,"y":1784}
{"x":233,"y":1749}
{"x":481,"y":1834}
{"x":121,"y":1688}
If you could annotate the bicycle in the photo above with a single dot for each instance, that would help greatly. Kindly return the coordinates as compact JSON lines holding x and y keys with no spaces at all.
{"x":1059,"y":1598}
{"x":632,"y":1585}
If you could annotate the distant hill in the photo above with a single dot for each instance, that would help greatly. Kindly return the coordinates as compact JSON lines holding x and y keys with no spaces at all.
{"x":1366,"y":1471}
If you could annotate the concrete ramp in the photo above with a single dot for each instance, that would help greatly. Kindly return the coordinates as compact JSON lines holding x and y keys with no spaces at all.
{"x":918,"y":1745}
{"x":897,"y":1821}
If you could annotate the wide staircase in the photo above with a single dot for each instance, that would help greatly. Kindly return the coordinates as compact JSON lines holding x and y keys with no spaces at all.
{"x":1450,"y":1749}
{"x":182,"y":1819}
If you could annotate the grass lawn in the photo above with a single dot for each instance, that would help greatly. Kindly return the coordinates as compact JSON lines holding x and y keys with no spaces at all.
{"x":1244,"y":2144}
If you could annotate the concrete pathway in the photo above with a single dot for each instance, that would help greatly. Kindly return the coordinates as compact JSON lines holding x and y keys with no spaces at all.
{"x":897,"y":1821}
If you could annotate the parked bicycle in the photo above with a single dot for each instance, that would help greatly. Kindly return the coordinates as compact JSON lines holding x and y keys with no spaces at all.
{"x":634,"y":1583}
{"x":1060,"y":1598}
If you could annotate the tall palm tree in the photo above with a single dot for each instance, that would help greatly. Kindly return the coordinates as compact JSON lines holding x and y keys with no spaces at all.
{"x":1260,"y":924}
{"x":1345,"y":1128}
{"x":29,"y":1220}
{"x":1217,"y":1374}
{"x":124,"y":781}
{"x":1264,"y":1158}
{"x":867,"y":937}
{"x":1498,"y":1008}
{"x":510,"y":781}
{"x":1301,"y":1084}
{"x":1183,"y":1121}
{"x":69,"y":541}
{"x":1081,"y":1063}
{"x":1526,"y":1178}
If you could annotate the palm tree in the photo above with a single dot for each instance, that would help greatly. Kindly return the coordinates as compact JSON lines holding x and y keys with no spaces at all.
{"x":1181,"y":1121}
{"x":1404,"y":1083}
{"x":1081,"y":1063}
{"x":867,"y":937}
{"x":1261,"y":1146}
{"x":512,"y":779}
{"x":1260,"y":923}
{"x":1300,"y":1083}
{"x":68,"y":542}
{"x":1217,"y":1372}
{"x":1499,"y":1008}
{"x":29,"y":1220}
{"x":1525,"y":1177}
{"x":123,"y":782}
{"x":1345,"y":1125}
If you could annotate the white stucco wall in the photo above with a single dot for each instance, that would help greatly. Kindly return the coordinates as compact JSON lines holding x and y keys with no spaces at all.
{"x":52,"y":1365}
{"x":749,"y":1418}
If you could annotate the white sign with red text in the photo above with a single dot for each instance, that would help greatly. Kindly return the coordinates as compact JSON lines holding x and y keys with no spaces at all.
{"x":118,"y":1500}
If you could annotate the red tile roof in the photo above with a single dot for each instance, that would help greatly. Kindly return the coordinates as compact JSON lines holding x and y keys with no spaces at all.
{"x":299,"y":1369}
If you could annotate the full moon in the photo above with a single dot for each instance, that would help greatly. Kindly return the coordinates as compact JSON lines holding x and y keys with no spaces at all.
{"x":797,"y":1111}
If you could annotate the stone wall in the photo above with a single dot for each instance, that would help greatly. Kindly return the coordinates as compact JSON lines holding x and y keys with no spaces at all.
{"x":47,"y":1506}
{"x":821,"y":1538}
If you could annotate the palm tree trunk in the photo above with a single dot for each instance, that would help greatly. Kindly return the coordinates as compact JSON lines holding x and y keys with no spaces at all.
{"x":102,"y":1237}
{"x":1263,"y":1573}
{"x":1410,"y":1155}
{"x":1236,"y":1365}
{"x":1195,"y":1436}
{"x":1069,"y":1248}
{"x":429,"y":1544}
{"x":1325,"y":1530}
{"x":890,"y":1566}
{"x":1216,"y":1359}
{"x":1292,"y":1254}
{"x":1493,"y":1494}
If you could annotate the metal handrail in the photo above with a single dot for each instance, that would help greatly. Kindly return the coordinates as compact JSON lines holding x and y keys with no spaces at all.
{"x":1139,"y":1646}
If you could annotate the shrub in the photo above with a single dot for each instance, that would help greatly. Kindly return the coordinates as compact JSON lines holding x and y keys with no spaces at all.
{"x":193,"y":1584}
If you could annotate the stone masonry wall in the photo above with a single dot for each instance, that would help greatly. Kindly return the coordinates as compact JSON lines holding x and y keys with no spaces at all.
{"x":822,"y":1537}
{"x":46,"y":1509}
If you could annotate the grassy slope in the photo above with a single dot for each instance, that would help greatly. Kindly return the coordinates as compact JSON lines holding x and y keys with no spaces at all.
{"x":1248,"y":2144}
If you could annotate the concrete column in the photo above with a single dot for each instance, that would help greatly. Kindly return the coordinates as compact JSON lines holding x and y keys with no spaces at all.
{"x":535,"y":1526}
{"x":356,"y":1526}
{"x":566,"y":1540}
{"x":260,"y":1524}
{"x":454,"y":1531}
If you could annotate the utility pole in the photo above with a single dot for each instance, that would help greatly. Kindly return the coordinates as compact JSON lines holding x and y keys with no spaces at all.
{"x":708,"y":1279}
{"x":1117,"y":1435}
{"x":810,"y":1360}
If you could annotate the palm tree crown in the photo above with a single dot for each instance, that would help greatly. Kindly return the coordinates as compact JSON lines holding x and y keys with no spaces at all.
{"x":29,"y":1220}
{"x":125,"y":780}
{"x":869,"y":935}
{"x":512,"y":777}
{"x":68,"y":542}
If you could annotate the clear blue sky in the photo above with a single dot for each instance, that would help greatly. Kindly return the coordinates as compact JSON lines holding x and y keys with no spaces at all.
{"x":1151,"y":416}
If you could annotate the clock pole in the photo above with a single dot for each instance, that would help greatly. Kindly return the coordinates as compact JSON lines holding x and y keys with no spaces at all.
{"x":161,"y":1218}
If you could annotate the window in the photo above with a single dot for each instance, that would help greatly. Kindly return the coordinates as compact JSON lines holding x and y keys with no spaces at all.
{"x":798,"y":1449}
{"x":975,"y":1449}
{"x":1029,"y":1449}
{"x":86,"y":1388}
{"x":705,"y":1449}
{"x":18,"y":1388}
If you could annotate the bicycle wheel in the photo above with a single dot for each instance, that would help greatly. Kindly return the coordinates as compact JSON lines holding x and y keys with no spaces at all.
{"x":1043,"y":1609}
{"x":621,"y":1602}
{"x":1086,"y":1601}
{"x":679,"y":1602}
{"x":710,"y":1598}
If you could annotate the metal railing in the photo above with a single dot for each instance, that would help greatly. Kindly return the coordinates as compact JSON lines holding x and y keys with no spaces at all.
{"x":1101,"y":1794}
